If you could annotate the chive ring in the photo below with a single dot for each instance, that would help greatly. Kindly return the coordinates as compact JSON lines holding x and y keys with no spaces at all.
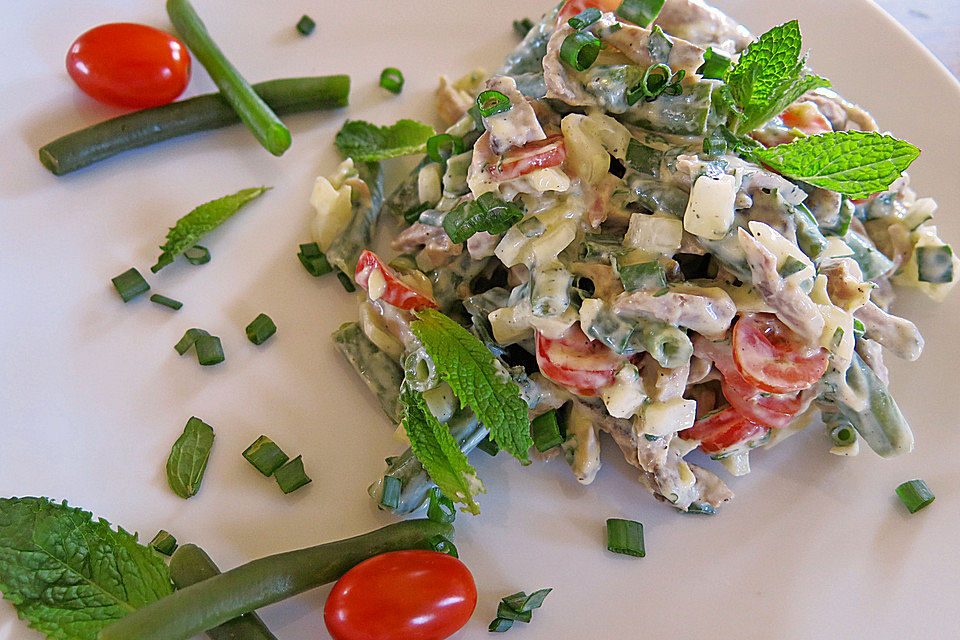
{"x":391,"y":79}
{"x":492,"y":102}
{"x":580,"y":50}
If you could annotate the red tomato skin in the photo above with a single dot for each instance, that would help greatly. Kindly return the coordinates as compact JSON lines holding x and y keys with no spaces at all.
{"x":573,"y":7}
{"x":129,"y":65}
{"x":598,"y":363}
{"x":773,"y":358}
{"x":396,"y":292}
{"x":413,"y":595}
{"x":724,"y":430}
{"x":540,"y":154}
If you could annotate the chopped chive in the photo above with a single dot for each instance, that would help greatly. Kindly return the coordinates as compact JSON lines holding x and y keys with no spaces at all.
{"x":843,"y":435}
{"x":704,"y":508}
{"x":189,"y":339}
{"x":305,"y":25}
{"x":390,"y":498}
{"x":488,"y":446}
{"x":265,"y":456}
{"x":522,"y":27}
{"x":508,"y":613}
{"x":662,"y":292}
{"x":790,"y":266}
{"x":580,"y":50}
{"x":492,"y":102}
{"x":443,"y":545}
{"x":585,"y":18}
{"x":546,"y":431}
{"x":640,"y":12}
{"x":260,"y":329}
{"x":499,"y":625}
{"x":523,"y":602}
{"x":858,"y":328}
{"x":164,"y":543}
{"x":165,"y":301}
{"x":346,"y":282}
{"x":474,"y":112}
{"x":291,"y":476}
{"x":443,"y":146}
{"x":391,"y":79}
{"x":209,"y":350}
{"x":715,"y":64}
{"x":412,"y":214}
{"x":197,"y":255}
{"x":130,"y":284}
{"x":626,"y":537}
{"x":313,"y":259}
{"x":440,"y":508}
{"x":915,"y":495}
{"x":644,"y":275}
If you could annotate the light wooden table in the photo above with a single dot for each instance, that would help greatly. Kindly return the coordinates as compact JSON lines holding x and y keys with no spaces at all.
{"x":936,"y":23}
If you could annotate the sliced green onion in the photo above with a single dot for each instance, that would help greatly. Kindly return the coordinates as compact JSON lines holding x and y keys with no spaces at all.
{"x":391,"y":79}
{"x":390,"y":498}
{"x":164,"y":543}
{"x":644,"y":275}
{"x":843,"y":435}
{"x":640,"y":12}
{"x":209,"y":350}
{"x":507,"y":613}
{"x":715,"y":144}
{"x":580,"y":50}
{"x":346,"y":282}
{"x":440,"y":508}
{"x":546,"y":431}
{"x":165,"y":301}
{"x":523,"y":602}
{"x":260,"y":329}
{"x":189,"y":339}
{"x":130,"y":284}
{"x":522,"y":27}
{"x":499,"y":625}
{"x":291,"y":476}
{"x":487,"y":213}
{"x":704,"y":508}
{"x":489,"y":447}
{"x":662,"y":292}
{"x":585,"y":18}
{"x":305,"y":25}
{"x":474,"y":113}
{"x":197,"y":255}
{"x":844,"y":217}
{"x":657,"y":79}
{"x":313,"y":259}
{"x":265,"y":456}
{"x":790,"y":266}
{"x":443,"y":545}
{"x":492,"y":102}
{"x":858,"y":328}
{"x":443,"y":146}
{"x":915,"y":495}
{"x":626,"y":537}
{"x":412,"y":214}
{"x":715,"y":64}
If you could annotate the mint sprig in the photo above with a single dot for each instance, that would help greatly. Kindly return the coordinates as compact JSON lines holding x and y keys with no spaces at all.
{"x":853,"y":163}
{"x":70,"y":575}
{"x":438,"y":452}
{"x":365,"y":142}
{"x":471,"y":371}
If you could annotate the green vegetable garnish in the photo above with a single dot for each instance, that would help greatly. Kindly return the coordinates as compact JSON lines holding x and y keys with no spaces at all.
{"x":640,"y":12}
{"x":626,"y":537}
{"x":209,"y":350}
{"x":201,"y":221}
{"x":585,"y":18}
{"x":306,"y":25}
{"x":438,"y":452}
{"x":313,"y":260}
{"x":854,"y":163}
{"x":391,"y":79}
{"x":197,"y":255}
{"x":644,"y":275}
{"x":390,"y":496}
{"x":292,"y":475}
{"x":522,"y":27}
{"x":915,"y":495}
{"x":189,"y":339}
{"x":188,"y":458}
{"x":492,"y":102}
{"x":347,"y":283}
{"x":164,"y":543}
{"x":365,"y":142}
{"x":715,"y":64}
{"x":130,"y":284}
{"x":546,"y":431}
{"x":443,"y":146}
{"x":440,"y":507}
{"x":472,"y":372}
{"x":442,"y":544}
{"x":265,"y":455}
{"x":517,"y":608}
{"x":579,"y":50}
{"x":68,"y":574}
{"x":165,"y":301}
{"x":487,"y":213}
{"x":261,"y":328}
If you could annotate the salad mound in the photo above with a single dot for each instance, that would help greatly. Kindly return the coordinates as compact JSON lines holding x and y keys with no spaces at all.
{"x":668,"y":231}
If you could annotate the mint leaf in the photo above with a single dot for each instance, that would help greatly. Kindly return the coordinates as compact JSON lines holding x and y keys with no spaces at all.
{"x":782,"y":97}
{"x":438,"y":452}
{"x":68,"y":575}
{"x":853,"y":163}
{"x":471,"y":371}
{"x":365,"y":142}
{"x":487,"y":213}
{"x":201,"y":221}
{"x":188,"y":458}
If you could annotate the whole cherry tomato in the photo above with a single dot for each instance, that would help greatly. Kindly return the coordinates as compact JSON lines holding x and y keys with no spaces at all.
{"x":414,"y":595}
{"x":129,"y":65}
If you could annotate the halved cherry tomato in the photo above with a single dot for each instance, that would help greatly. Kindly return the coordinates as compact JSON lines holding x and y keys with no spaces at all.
{"x":414,"y":595}
{"x":806,"y":117}
{"x":574,"y":361}
{"x":573,"y":7}
{"x":395,"y":291}
{"x":530,"y":157}
{"x":769,"y":409}
{"x":724,"y":430}
{"x":129,"y":65}
{"x":771,"y":357}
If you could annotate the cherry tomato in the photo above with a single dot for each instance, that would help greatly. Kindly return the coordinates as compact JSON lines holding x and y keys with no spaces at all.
{"x":573,"y":7}
{"x":806,"y":117}
{"x":395,"y":291}
{"x":530,"y":157}
{"x":724,"y":430}
{"x":574,"y":361}
{"x":129,"y":65}
{"x":414,"y":595}
{"x":771,"y":357}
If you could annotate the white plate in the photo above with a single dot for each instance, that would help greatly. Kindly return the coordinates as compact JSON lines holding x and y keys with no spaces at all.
{"x":92,"y":394}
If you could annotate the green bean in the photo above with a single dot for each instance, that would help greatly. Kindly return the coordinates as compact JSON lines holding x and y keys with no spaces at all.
{"x":380,"y":372}
{"x":201,"y":113}
{"x":346,"y":248}
{"x":259,"y":118}
{"x":873,"y":264}
{"x":668,"y":345}
{"x":210,"y":603}
{"x":189,"y":565}
{"x":809,"y":237}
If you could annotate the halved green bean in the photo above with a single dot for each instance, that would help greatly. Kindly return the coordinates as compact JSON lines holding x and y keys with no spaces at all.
{"x":189,"y":565}
{"x":210,"y":603}
{"x":201,"y":113}
{"x":259,"y":118}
